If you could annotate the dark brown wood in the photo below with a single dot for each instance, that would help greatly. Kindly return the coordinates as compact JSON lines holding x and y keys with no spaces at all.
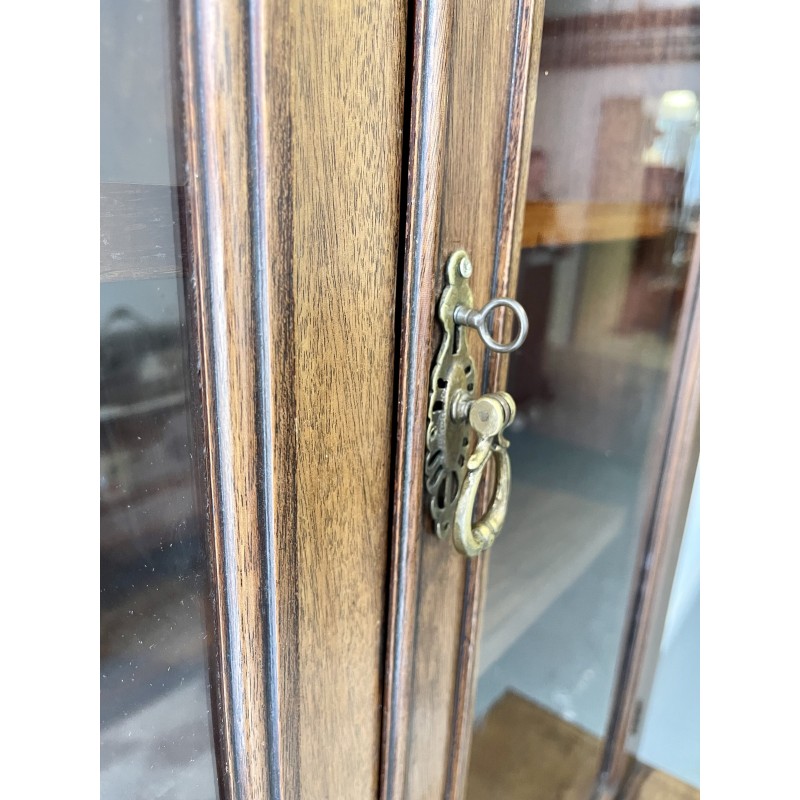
{"x":140,"y":231}
{"x":519,"y":134}
{"x":294,"y":122}
{"x":272,"y":101}
{"x":294,"y":245}
{"x":215,"y":49}
{"x":345,"y":74}
{"x":428,"y":95}
{"x":672,"y":461}
{"x":468,"y":87}
{"x":479,"y":75}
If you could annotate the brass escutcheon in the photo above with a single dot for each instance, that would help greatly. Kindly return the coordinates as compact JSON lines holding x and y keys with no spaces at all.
{"x":456,"y":415}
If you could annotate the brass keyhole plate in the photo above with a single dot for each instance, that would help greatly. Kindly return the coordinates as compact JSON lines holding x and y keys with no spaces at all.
{"x":452,"y":385}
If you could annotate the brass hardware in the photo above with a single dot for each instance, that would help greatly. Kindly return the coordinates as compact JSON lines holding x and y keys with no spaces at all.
{"x":451,"y":477}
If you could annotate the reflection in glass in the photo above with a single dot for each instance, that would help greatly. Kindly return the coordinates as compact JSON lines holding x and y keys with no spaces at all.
{"x":670,"y":728}
{"x":611,"y":219}
{"x":155,"y":711}
{"x":156,"y":734}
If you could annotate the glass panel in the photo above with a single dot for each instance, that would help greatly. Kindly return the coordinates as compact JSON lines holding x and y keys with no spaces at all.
{"x":156,"y":734}
{"x":611,"y":217}
{"x":670,"y":730}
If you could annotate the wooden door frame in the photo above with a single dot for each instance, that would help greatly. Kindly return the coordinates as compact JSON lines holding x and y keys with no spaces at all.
{"x":437,"y":69}
{"x":254,"y":234}
{"x":672,"y":459}
{"x":227,"y":244}
{"x":236,"y":120}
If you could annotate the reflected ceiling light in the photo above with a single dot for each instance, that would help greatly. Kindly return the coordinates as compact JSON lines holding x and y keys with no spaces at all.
{"x":680,"y":103}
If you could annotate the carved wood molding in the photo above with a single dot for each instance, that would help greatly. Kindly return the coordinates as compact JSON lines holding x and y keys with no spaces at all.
{"x":293,"y":115}
{"x":470,"y":122}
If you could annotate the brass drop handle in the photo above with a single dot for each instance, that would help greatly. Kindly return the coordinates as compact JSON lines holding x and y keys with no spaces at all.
{"x":489,"y":416}
{"x":456,"y":415}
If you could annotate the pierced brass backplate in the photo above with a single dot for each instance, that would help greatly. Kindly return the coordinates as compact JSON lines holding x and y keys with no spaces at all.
{"x":453,"y":378}
{"x":452,"y":476}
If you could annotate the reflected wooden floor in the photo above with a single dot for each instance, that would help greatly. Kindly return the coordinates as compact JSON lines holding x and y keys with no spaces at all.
{"x":523,"y":752}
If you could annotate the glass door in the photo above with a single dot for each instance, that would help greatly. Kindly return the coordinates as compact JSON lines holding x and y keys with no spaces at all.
{"x":156,"y":635}
{"x":611,"y":220}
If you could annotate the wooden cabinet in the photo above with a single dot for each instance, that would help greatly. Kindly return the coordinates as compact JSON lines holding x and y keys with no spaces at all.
{"x":334,"y":155}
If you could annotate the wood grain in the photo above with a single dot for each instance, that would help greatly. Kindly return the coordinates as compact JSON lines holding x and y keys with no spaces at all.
{"x":215,"y":66}
{"x":346,"y":95}
{"x":526,"y":51}
{"x":524,"y":752}
{"x":427,"y":92}
{"x":479,"y":66}
{"x":294,"y":126}
{"x":273,"y":139}
{"x":469,"y":70}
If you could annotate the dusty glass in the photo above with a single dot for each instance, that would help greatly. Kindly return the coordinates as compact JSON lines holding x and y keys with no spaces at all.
{"x":156,"y":633}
